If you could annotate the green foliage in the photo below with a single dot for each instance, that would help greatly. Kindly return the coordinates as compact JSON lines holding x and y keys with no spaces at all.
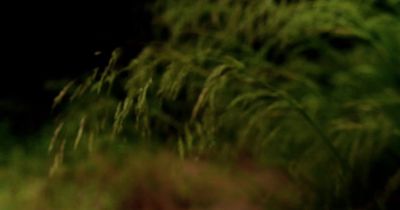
{"x":311,"y":85}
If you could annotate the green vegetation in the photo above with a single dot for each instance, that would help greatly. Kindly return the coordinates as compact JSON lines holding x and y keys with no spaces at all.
{"x":237,"y":105}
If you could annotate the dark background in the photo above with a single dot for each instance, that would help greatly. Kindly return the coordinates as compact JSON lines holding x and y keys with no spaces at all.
{"x":56,"y":41}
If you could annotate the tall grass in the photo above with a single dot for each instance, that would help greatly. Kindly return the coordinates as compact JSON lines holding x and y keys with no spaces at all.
{"x":311,"y":86}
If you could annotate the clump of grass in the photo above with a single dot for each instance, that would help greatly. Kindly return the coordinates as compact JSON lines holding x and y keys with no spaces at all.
{"x":308,"y":85}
